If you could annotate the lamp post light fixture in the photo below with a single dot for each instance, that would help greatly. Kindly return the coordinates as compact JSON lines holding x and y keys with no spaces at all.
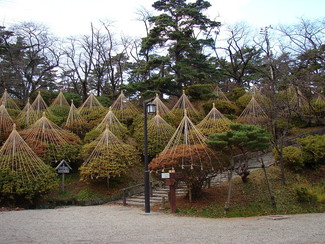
{"x":148,"y":108}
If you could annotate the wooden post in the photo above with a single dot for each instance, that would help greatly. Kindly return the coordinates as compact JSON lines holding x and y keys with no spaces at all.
{"x":124,"y":198}
{"x":62,"y":184}
{"x":172,"y":198}
{"x":171,"y":194}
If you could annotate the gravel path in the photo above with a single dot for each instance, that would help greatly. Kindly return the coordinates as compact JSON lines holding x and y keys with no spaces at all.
{"x":117,"y":224}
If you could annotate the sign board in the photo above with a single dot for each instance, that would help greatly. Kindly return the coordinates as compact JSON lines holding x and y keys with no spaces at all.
{"x":165,"y":175}
{"x":63,"y":170}
{"x":63,"y":167}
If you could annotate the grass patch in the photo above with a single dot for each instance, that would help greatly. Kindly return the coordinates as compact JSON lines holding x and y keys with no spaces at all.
{"x":253,"y":199}
{"x":86,"y":194}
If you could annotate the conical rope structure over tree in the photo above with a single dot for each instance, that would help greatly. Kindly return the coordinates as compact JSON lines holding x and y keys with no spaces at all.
{"x":220,"y":95}
{"x":253,"y":114}
{"x":22,"y":172}
{"x":159,"y":134}
{"x":124,"y":109}
{"x":8,"y":101}
{"x":89,"y":105}
{"x":214,"y":122}
{"x":183,"y":104}
{"x":40,"y":106}
{"x":27,"y":116}
{"x":107,"y":157}
{"x":110,"y":121}
{"x":160,"y":106}
{"x":75,"y":122}
{"x":49,"y":141}
{"x":188,"y":153}
{"x":60,"y":105}
{"x":6,"y":123}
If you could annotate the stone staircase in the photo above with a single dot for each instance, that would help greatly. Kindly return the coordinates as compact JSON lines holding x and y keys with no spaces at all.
{"x":158,"y":193}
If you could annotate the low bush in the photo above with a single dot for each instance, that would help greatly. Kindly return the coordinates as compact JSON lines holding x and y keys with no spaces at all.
{"x":304,"y":195}
{"x":313,"y":148}
{"x":14,"y":188}
{"x":292,"y":157}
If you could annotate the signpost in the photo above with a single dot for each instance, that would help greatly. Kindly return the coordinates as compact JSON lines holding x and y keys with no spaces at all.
{"x":170,"y":180}
{"x":63,"y":168}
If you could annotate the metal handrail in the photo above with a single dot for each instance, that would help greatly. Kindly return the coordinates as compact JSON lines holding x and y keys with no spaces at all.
{"x":136,"y":186}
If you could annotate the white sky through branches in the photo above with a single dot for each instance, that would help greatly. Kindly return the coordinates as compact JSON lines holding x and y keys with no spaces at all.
{"x":73,"y":17}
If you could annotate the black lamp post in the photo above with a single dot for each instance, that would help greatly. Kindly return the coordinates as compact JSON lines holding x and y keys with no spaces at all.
{"x":148,"y":108}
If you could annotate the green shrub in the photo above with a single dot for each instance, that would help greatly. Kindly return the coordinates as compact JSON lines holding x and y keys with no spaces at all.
{"x":304,"y":195}
{"x":313,"y":150}
{"x":13,"y":187}
{"x":292,"y":157}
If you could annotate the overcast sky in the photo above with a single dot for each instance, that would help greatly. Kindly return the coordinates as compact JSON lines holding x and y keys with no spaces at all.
{"x":72,"y":17}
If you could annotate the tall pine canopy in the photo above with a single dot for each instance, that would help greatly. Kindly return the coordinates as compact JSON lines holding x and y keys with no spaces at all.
{"x":181,"y":31}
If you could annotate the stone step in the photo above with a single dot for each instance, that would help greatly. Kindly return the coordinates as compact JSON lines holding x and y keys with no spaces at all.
{"x":156,"y":198}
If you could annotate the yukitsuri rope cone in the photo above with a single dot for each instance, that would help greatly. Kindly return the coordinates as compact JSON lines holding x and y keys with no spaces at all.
{"x":183,"y":104}
{"x":187,"y":153}
{"x":214,"y":122}
{"x":27,"y":116}
{"x":108,"y":157}
{"x":297,"y":101}
{"x":253,"y":114}
{"x":75,"y":122}
{"x":161,"y":107}
{"x":113,"y":124}
{"x":8,"y":101}
{"x":6,"y":123}
{"x":159,"y":134}
{"x":40,"y":106}
{"x":47,"y":139}
{"x":24,"y":169}
{"x":60,"y":104}
{"x":124,"y":109}
{"x":220,"y":95}
{"x":60,"y":100}
{"x":89,"y":105}
{"x":186,"y":149}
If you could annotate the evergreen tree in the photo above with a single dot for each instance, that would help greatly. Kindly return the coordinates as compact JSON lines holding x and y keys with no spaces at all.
{"x":181,"y":32}
{"x":240,"y":139}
